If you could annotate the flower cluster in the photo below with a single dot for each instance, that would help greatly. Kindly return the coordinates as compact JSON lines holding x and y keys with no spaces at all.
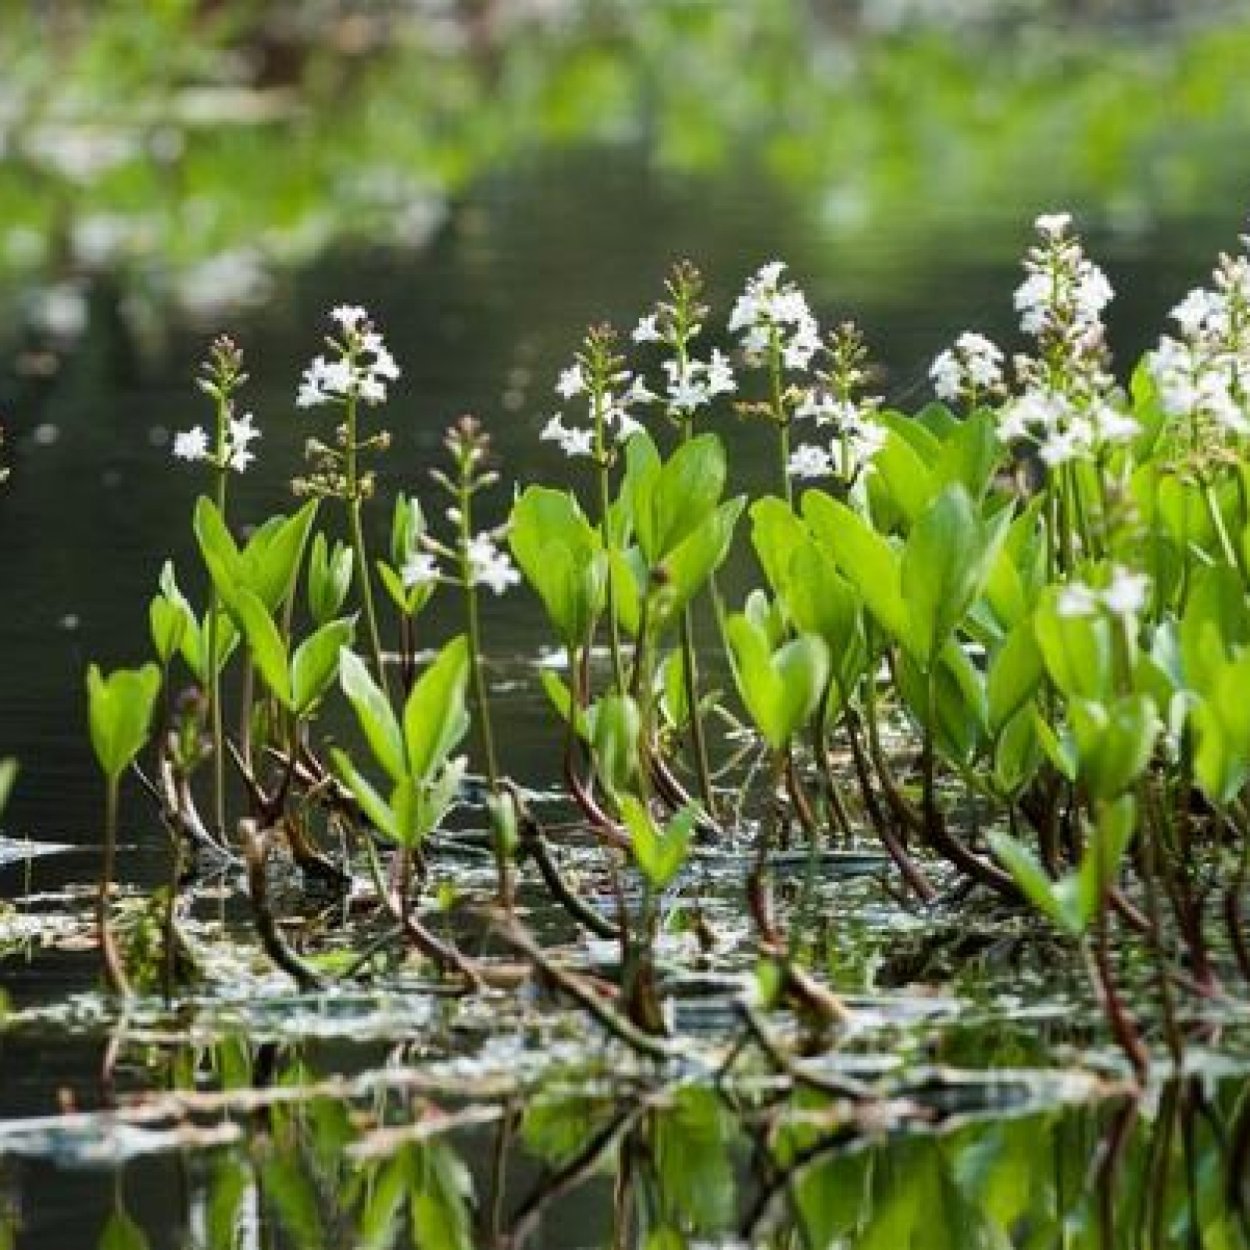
{"x":1203,"y":377}
{"x":676,"y":321}
{"x":360,"y":368}
{"x":597,"y":376}
{"x":838,"y":403}
{"x":774,"y":319}
{"x":1061,"y":430}
{"x":971,"y":370}
{"x":693,"y":384}
{"x":1067,"y":405}
{"x":235,"y":446}
{"x":221,"y":376}
{"x":475,"y":558}
{"x":488,"y":565}
{"x":1063,"y":293}
{"x":1125,"y":595}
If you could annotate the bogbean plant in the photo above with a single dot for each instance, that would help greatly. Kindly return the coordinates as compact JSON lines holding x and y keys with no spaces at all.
{"x":1042,"y":581}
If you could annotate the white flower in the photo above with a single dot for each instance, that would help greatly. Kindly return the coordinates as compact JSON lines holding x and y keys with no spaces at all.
{"x":646,"y":331}
{"x":1200,"y":311}
{"x":1077,"y":599}
{"x":804,"y":344}
{"x":1063,"y":292}
{"x":638,"y":394}
{"x":626,"y":426}
{"x":349,"y":316}
{"x":420,"y":569}
{"x":1127,"y":593}
{"x":573,"y":442}
{"x":1053,"y":223}
{"x":867,"y":440}
{"x":810,"y":461}
{"x":361,"y":372}
{"x":1061,"y":446}
{"x":191,"y":444}
{"x":579,"y":440}
{"x":1113,"y":426}
{"x":241,"y":432}
{"x":947,"y":375}
{"x":768,"y":309}
{"x":696,"y":383}
{"x":973,"y":364}
{"x":720,"y":376}
{"x":571,"y":382}
{"x":489,"y":566}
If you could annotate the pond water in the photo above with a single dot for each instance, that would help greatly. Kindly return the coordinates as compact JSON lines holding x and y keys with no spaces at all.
{"x":394,"y":1115}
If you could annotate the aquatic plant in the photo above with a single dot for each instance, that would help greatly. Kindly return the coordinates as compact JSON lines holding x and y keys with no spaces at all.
{"x":1040,"y":581}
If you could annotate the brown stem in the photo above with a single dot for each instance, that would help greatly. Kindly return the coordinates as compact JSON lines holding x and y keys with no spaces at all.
{"x":580,"y":991}
{"x":255,"y":852}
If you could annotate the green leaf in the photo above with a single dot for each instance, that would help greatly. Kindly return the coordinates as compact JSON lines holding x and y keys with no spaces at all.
{"x":435,"y":717}
{"x":775,"y":534}
{"x":329,"y":578}
{"x":1221,"y":722}
{"x":780,"y":688}
{"x":562,"y":557}
{"x":1014,"y":675}
{"x":557,"y":690}
{"x":375,"y":808}
{"x":1104,"y":852}
{"x":689,"y":565}
{"x":272,"y":557}
{"x":268,"y":650}
{"x":1033,"y":881}
{"x":190,"y":640}
{"x":373,"y":712}
{"x":1075,"y":649}
{"x":8,"y":777}
{"x":221,"y":555}
{"x":407,"y":528}
{"x":960,"y":700}
{"x":616,"y":742}
{"x":119,"y":709}
{"x":904,"y":475}
{"x":945,"y":565}
{"x":660,"y":855}
{"x":168,"y":625}
{"x":122,"y":1233}
{"x":970,"y":454}
{"x":1017,"y":752}
{"x":866,"y":559}
{"x":316,"y":661}
{"x":437,"y":795}
{"x":672,"y":503}
{"x":636,"y":512}
{"x":1113,"y":741}
{"x":629,"y":581}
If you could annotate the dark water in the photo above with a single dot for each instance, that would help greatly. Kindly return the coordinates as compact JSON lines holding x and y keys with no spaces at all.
{"x":530,"y":252}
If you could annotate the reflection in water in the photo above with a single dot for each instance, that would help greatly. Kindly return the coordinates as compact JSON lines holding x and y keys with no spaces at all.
{"x":663,"y":1164}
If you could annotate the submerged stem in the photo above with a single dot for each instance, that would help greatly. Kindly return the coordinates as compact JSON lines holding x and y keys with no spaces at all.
{"x":114,"y":970}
